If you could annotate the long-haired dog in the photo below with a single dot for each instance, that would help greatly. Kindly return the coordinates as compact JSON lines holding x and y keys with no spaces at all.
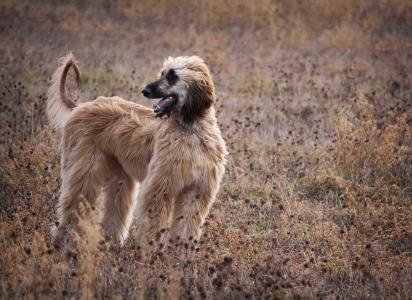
{"x":165,"y":163}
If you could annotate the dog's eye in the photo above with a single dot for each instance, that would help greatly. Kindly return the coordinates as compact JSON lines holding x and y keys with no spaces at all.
{"x":172,"y":76}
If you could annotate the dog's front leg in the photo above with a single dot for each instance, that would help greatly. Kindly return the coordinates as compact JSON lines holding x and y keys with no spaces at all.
{"x":189,"y":212}
{"x":119,"y":203}
{"x":154,"y":204}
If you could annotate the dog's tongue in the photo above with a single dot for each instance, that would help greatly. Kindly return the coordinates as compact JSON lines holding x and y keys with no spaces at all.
{"x":163,"y":103}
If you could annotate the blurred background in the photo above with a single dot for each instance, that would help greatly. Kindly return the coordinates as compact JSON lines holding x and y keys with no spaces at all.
{"x":314,"y":104}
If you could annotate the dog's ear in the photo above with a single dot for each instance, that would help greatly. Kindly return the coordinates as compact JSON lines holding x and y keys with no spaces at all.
{"x":201,"y":96}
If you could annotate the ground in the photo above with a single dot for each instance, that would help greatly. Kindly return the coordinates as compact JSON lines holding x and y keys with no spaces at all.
{"x":314,"y":102}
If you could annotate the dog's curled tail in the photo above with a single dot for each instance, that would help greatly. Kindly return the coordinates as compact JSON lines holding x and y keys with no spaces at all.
{"x":59,"y":103}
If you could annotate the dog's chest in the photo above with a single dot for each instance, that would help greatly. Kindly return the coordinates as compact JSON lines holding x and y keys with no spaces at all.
{"x":188,"y":153}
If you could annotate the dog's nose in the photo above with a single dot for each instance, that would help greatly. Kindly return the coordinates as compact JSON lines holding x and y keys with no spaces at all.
{"x":147,"y":91}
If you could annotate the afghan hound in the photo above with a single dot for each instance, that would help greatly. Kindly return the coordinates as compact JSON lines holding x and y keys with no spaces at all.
{"x":163,"y":165}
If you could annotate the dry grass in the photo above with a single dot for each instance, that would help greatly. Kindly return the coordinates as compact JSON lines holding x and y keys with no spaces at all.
{"x":314,"y":103}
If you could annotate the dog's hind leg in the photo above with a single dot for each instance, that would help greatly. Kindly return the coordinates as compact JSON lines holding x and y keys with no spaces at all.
{"x":120,"y":193}
{"x":81,"y":180}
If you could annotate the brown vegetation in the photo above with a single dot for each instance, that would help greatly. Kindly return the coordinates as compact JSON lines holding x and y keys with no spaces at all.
{"x":315,"y":106}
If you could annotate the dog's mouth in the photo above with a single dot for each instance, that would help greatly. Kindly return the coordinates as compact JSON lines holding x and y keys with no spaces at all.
{"x":164,"y":106}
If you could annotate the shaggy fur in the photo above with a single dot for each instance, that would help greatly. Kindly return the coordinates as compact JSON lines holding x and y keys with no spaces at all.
{"x":120,"y":149}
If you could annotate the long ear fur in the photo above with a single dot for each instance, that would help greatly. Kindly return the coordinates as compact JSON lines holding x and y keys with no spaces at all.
{"x":201,"y":96}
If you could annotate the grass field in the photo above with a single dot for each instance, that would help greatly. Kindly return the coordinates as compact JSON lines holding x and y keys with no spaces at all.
{"x":315,"y":104}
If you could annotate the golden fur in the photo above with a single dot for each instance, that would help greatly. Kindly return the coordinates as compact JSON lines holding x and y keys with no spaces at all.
{"x":120,"y":149}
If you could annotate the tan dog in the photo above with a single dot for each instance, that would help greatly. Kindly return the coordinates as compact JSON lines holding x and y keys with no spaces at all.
{"x":110,"y":145}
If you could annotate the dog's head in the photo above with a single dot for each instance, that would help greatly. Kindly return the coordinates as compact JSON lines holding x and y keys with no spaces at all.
{"x":184,"y":86}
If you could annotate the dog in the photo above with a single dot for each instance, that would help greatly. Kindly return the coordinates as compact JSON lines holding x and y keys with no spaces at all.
{"x":163,"y":165}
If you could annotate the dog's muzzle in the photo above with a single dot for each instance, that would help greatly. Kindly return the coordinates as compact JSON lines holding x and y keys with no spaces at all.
{"x":166,"y":103}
